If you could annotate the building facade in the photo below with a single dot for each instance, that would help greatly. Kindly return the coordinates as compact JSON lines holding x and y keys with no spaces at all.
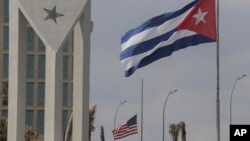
{"x":35,"y":74}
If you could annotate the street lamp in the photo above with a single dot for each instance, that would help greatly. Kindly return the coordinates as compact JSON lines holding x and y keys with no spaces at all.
{"x":163,"y":125}
{"x":118,"y":109}
{"x":238,"y":78}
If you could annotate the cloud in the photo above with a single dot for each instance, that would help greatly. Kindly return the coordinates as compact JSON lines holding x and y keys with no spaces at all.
{"x":232,"y":4}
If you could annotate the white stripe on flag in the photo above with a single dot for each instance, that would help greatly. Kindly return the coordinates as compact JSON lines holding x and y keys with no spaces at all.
{"x":155,"y":31}
{"x":134,"y":60}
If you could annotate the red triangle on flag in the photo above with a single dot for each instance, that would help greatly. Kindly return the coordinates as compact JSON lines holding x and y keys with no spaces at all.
{"x":201,"y":19}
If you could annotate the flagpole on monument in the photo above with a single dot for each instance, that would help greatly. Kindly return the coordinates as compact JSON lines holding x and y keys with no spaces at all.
{"x":141,"y":109}
{"x":218,"y":74}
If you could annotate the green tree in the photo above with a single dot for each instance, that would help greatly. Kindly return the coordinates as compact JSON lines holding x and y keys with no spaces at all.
{"x":30,"y":134}
{"x":102,"y":134}
{"x":174,"y":130}
{"x":183,"y":131}
{"x":3,"y":129}
{"x":92,"y":112}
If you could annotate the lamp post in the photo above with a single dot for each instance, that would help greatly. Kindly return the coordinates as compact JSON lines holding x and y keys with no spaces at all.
{"x":163,"y":125}
{"x":118,"y":109}
{"x":238,"y":78}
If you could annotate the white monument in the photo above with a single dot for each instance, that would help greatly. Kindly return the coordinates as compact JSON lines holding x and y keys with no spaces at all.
{"x":52,"y":20}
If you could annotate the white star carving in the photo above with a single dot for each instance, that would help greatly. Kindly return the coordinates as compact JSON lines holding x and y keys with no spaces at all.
{"x":200,"y":16}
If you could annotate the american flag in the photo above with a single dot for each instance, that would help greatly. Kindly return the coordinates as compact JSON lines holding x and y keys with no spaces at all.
{"x":126,"y":129}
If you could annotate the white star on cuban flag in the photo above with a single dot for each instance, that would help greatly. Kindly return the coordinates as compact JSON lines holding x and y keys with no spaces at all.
{"x":200,"y":16}
{"x":203,"y":12}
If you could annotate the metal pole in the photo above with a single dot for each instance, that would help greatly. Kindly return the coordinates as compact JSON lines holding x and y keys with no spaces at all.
{"x":238,"y":78}
{"x":142,"y":110}
{"x":218,"y":76}
{"x":163,"y":125}
{"x":117,"y":110}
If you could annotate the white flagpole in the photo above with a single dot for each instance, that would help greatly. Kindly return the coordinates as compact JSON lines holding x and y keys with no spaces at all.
{"x":142,"y":110}
{"x":218,"y":75}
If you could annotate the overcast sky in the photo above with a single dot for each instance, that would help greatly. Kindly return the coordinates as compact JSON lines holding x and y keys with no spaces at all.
{"x":192,"y":71}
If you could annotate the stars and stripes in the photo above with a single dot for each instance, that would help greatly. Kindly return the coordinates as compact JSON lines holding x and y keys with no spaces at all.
{"x":126,"y":129}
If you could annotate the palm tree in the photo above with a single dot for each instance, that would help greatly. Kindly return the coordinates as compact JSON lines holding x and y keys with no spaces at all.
{"x":3,"y":121}
{"x":3,"y":129}
{"x":183,"y":131}
{"x":174,"y":131}
{"x":92,"y":112}
{"x":30,"y":134}
{"x":102,"y":134}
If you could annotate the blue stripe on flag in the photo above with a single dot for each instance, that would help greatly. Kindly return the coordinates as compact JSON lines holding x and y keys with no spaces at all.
{"x":144,"y":46}
{"x":168,"y":50}
{"x":156,"y":21}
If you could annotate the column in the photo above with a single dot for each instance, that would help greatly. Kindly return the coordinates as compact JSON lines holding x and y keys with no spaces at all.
{"x":17,"y":73}
{"x":53,"y":95}
{"x":81,"y":76}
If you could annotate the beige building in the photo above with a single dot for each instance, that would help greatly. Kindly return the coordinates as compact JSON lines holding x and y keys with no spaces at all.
{"x":35,"y":74}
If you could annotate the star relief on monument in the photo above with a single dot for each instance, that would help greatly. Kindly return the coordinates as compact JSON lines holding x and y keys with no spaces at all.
{"x":52,"y":19}
{"x":52,"y":14}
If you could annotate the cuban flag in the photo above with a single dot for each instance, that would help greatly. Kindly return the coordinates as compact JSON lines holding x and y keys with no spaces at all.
{"x":160,"y":36}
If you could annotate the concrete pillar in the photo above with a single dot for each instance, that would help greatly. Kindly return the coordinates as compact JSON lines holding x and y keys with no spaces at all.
{"x":53,"y":95}
{"x":53,"y":33}
{"x":17,"y":73}
{"x":81,"y":75}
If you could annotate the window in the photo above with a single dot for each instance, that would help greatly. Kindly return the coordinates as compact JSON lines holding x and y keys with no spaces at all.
{"x":29,"y":94}
{"x":5,"y":66}
{"x":64,"y":120}
{"x":65,"y":67}
{"x":41,"y":66}
{"x":65,"y":47}
{"x":5,"y":93}
{"x":6,"y":10}
{"x":30,"y":39}
{"x":65,"y":94}
{"x":30,"y":66}
{"x":5,"y":113}
{"x":29,"y":118}
{"x":40,"y":121}
{"x":41,"y":94}
{"x":41,"y":46}
{"x":5,"y":38}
